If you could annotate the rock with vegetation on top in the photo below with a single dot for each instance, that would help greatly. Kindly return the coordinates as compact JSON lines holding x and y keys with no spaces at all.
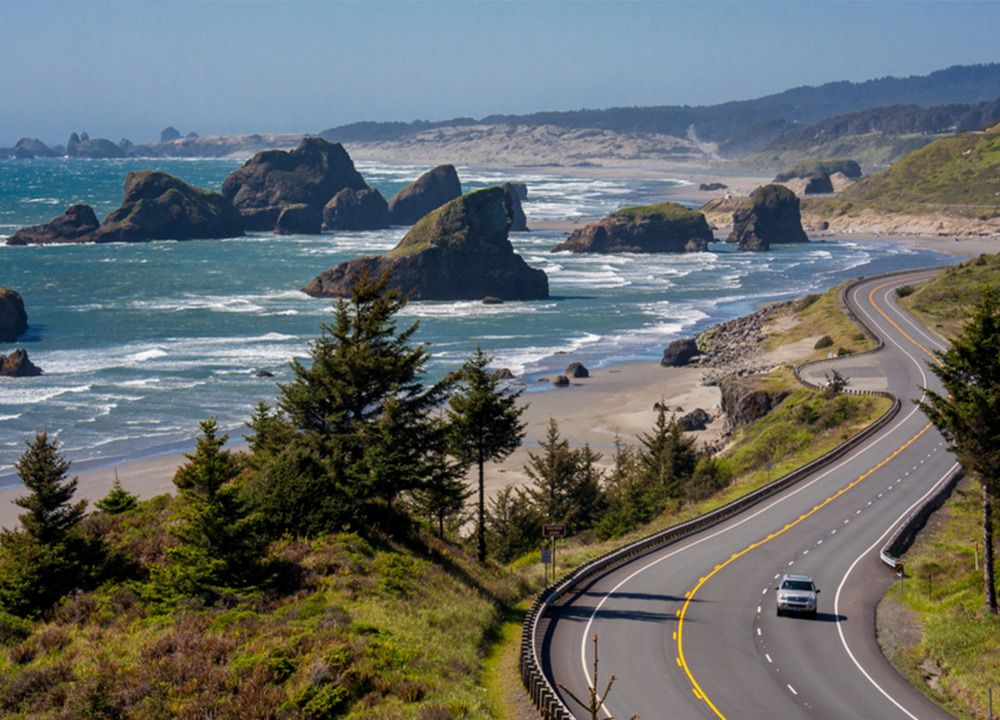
{"x":745,"y":400}
{"x":356,"y":210}
{"x":311,"y":174}
{"x":458,"y":252}
{"x":298,"y":219}
{"x":772,"y":216}
{"x":680,"y":352}
{"x":17,"y":364}
{"x":28,"y":148}
{"x":427,"y":193}
{"x":72,"y":226}
{"x":13,"y":318}
{"x":518,"y":222}
{"x":662,"y":228}
{"x":158,"y":206}
{"x":169,"y":134}
{"x":95,"y":148}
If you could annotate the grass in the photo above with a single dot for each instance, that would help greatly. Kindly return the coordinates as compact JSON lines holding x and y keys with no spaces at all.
{"x":827,"y":166}
{"x":665,"y":210}
{"x":952,"y":653}
{"x":822,"y":315}
{"x":944,"y":302}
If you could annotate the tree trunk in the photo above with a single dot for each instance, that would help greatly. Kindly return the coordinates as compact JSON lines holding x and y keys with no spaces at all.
{"x":989,"y":583}
{"x":482,"y":511}
{"x":441,"y":526}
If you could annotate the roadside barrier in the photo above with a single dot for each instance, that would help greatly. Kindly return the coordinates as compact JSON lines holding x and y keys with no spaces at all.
{"x":540,"y":689}
{"x":906,"y":533}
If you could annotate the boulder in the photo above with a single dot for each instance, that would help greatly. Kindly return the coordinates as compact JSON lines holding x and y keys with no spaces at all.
{"x":158,"y":206}
{"x":263,"y":373}
{"x":697,"y":419}
{"x":817,"y":185}
{"x":745,"y":400}
{"x":772,"y":216}
{"x":356,"y":210}
{"x":72,"y":226}
{"x":561,"y":381}
{"x":577,"y":370}
{"x":311,"y":174}
{"x":518,"y":222}
{"x":298,"y":219}
{"x":17,"y":364}
{"x":503,"y":374}
{"x":427,"y":193}
{"x":169,"y":134}
{"x":661,"y":228}
{"x":712,"y":186}
{"x":680,"y":352}
{"x":13,"y":318}
{"x":458,"y":252}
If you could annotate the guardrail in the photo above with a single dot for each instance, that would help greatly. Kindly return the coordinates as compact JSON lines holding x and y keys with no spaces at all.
{"x":543,"y":695}
{"x":906,"y":533}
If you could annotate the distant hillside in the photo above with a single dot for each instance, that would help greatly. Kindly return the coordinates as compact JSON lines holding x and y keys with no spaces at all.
{"x":737,"y":125}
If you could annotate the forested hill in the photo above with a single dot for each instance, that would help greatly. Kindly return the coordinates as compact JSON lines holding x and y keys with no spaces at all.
{"x":733,"y":122}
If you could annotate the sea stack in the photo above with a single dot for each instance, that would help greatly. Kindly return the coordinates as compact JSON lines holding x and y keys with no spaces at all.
{"x":518,"y":221}
{"x":17,"y":364}
{"x":660,"y":228}
{"x":458,"y":252}
{"x":311,"y":174}
{"x":771,"y":217}
{"x":72,"y":226}
{"x":13,"y":318}
{"x":428,"y":192}
{"x":356,"y":210}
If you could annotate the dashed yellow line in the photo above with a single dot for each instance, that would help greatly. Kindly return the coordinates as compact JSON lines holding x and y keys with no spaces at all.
{"x":682,"y":613}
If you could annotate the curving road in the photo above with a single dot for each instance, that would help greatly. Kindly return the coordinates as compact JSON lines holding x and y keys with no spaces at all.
{"x":690,"y":629}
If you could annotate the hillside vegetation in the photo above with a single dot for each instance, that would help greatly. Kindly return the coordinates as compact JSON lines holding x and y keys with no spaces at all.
{"x":944,"y":302}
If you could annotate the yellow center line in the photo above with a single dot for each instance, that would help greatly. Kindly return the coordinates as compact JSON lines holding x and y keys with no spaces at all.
{"x":682,"y":614}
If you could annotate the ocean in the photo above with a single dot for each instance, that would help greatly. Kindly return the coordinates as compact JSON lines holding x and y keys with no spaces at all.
{"x":139,"y":342}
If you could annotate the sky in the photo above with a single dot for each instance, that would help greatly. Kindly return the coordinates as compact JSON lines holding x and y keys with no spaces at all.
{"x":128,"y":69}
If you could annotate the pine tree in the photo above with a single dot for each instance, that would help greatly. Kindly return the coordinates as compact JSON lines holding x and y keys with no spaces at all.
{"x":220,"y":546}
{"x":485,"y":425}
{"x":51,"y":515}
{"x":560,"y":491}
{"x":443,"y":493}
{"x":667,"y":459}
{"x":512,"y":523}
{"x":625,"y":493}
{"x":270,"y":434}
{"x":969,"y":416}
{"x":118,"y":500}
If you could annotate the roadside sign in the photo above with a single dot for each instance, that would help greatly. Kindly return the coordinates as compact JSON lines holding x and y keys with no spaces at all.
{"x":555,"y":530}
{"x":546,"y":555}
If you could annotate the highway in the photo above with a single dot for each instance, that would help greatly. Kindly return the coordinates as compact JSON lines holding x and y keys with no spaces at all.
{"x":690,"y":629}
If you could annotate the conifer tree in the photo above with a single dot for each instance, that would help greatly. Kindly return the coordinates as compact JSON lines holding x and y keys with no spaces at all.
{"x":220,"y":546}
{"x":969,"y":416}
{"x":270,"y":434}
{"x":443,"y":492}
{"x":485,"y":425}
{"x":51,"y":515}
{"x":667,"y":459}
{"x":118,"y":500}
{"x":554,"y":473}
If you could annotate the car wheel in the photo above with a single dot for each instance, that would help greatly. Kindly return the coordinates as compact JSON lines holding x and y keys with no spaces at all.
{"x":778,"y":612}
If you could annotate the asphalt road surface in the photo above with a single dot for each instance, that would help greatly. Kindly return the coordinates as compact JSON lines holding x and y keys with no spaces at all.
{"x":690,"y":630}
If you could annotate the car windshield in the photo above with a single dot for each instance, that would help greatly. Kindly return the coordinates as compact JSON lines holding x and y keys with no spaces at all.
{"x":797,"y":585}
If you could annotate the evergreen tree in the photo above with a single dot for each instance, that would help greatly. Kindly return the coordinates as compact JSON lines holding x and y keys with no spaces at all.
{"x":565,"y":482}
{"x":486,"y":425}
{"x":513,"y":524}
{"x":220,"y":546}
{"x":590,"y":498}
{"x":443,"y":492}
{"x":667,"y":460}
{"x":118,"y":500}
{"x":51,"y":515}
{"x":626,"y":495}
{"x":270,"y":434}
{"x":969,"y":416}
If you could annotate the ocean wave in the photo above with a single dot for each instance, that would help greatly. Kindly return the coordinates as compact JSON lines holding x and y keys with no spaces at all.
{"x":527,"y":359}
{"x":30,"y":395}
{"x":10,"y":417}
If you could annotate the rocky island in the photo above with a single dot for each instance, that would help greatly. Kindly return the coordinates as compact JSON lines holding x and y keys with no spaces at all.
{"x":661,"y":228}
{"x":356,"y":210}
{"x":771,"y":216}
{"x":458,"y":252}
{"x":13,"y":318}
{"x":428,"y":192}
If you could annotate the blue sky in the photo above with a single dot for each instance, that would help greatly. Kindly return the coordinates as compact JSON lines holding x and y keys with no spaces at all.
{"x":127,"y":69}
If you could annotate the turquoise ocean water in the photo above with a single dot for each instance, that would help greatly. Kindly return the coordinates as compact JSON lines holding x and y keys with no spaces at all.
{"x":140,"y":342}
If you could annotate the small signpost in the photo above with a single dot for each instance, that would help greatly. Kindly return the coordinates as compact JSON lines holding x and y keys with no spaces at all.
{"x":551,"y":531}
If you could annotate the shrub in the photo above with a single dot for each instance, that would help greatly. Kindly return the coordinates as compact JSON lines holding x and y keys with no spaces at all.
{"x":904,"y":291}
{"x":824,"y":342}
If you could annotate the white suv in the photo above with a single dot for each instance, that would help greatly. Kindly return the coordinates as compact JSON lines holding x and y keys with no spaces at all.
{"x":797,"y":594}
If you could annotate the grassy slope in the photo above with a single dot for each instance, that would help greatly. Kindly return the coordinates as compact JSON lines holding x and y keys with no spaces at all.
{"x":362,"y":629}
{"x":871,"y":150}
{"x":957,"y":175}
{"x":953,"y":655}
{"x":823,"y":314}
{"x":667,"y":210}
{"x":944,"y":302}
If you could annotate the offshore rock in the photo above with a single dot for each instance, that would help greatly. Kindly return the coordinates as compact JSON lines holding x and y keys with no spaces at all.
{"x":661,"y":228}
{"x":17,"y":364}
{"x":518,"y":222}
{"x":310,"y":174}
{"x":356,"y":210}
{"x":169,"y":134}
{"x":13,"y":318}
{"x":520,"y":188}
{"x":458,"y":252}
{"x":427,"y":193}
{"x":28,"y":148}
{"x":95,"y":148}
{"x":298,"y":219}
{"x":772,"y":217}
{"x":680,"y":352}
{"x":72,"y":226}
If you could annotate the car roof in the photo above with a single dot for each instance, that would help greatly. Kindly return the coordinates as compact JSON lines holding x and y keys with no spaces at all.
{"x":806,"y":578}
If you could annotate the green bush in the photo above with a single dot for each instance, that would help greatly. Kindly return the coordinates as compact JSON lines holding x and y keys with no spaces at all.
{"x":824,"y":342}
{"x":904,"y":291}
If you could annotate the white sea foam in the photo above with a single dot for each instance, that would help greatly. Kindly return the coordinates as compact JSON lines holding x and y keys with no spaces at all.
{"x":27,"y":395}
{"x":10,"y":417}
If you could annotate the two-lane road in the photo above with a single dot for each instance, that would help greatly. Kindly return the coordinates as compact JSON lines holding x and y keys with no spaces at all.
{"x":691,"y":630}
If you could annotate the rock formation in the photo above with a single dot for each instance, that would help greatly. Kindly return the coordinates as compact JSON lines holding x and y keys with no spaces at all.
{"x":458,"y":252}
{"x":169,"y":134}
{"x":744,"y":400}
{"x":311,"y":174}
{"x":697,"y":419}
{"x":298,"y":219}
{"x":428,"y":192}
{"x":664,"y":227}
{"x":518,"y":222}
{"x":561,"y":381}
{"x":520,"y":188}
{"x":28,"y":148}
{"x":680,"y":352}
{"x":17,"y":364}
{"x":712,"y":186}
{"x":356,"y":210}
{"x":72,"y":226}
{"x":577,"y":370}
{"x":13,"y":318}
{"x":817,"y":184}
{"x":94,"y":148}
{"x":771,"y":217}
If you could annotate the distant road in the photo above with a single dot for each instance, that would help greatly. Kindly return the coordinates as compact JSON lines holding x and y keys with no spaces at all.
{"x":690,"y":630}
